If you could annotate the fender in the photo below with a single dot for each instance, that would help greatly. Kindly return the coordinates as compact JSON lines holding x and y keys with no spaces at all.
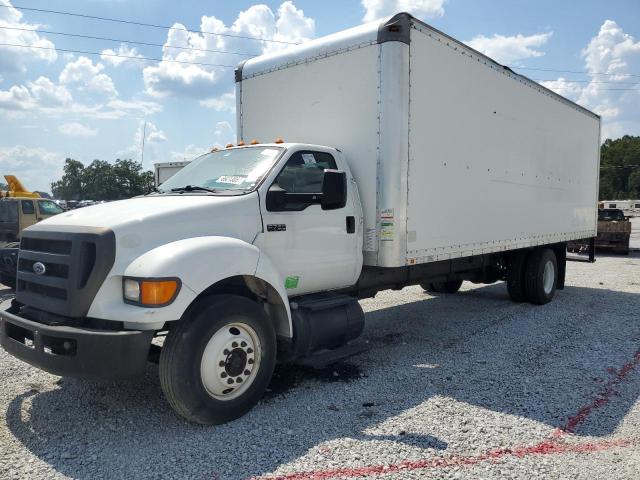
{"x":198,"y":262}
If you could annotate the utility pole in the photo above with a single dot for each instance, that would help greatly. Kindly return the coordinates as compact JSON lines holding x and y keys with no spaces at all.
{"x":144,"y":135}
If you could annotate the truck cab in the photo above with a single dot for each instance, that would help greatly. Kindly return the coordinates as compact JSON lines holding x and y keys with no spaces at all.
{"x":18,"y":213}
{"x":249,"y":227}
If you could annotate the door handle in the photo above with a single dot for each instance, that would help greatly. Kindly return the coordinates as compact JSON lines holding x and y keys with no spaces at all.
{"x":351,"y":224}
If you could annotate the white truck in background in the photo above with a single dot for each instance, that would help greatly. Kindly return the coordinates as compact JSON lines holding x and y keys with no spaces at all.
{"x":259,"y":253}
{"x":165,"y":170}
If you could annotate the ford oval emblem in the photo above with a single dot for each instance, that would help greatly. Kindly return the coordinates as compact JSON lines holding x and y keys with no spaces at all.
{"x":39,"y":268}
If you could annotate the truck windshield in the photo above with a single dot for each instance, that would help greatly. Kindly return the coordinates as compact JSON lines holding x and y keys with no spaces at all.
{"x":239,"y":169}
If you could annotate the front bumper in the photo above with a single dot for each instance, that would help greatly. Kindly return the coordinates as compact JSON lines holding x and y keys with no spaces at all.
{"x":73,"y":351}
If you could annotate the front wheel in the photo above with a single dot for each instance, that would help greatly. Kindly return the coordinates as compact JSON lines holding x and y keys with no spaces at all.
{"x":216,"y":364}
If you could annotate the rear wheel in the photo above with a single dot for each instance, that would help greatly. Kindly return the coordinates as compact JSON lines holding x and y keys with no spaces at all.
{"x":451,"y":286}
{"x":541,"y":276}
{"x":216,"y":364}
{"x":515,"y":276}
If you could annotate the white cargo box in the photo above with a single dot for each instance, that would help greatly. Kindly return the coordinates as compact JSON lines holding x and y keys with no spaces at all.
{"x":454,"y":155}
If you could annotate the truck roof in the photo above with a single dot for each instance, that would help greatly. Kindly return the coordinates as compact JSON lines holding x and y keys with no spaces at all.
{"x":395,"y":28}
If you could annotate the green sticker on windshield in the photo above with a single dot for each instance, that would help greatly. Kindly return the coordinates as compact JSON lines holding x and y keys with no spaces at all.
{"x":291,"y":282}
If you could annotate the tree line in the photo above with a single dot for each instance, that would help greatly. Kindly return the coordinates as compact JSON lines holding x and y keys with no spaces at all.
{"x":620,"y":169}
{"x":102,"y":180}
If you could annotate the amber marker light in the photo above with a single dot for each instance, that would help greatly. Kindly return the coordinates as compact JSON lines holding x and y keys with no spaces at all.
{"x":279,"y":140}
{"x":229,"y":145}
{"x":241,"y":143}
{"x":150,"y":292}
{"x":254,"y":142}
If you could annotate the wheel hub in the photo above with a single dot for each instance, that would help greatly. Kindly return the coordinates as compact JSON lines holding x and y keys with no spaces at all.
{"x":230,"y":361}
{"x":235,"y":362}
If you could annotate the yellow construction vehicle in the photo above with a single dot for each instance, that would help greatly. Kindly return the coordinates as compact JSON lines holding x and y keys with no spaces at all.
{"x":16,"y":189}
{"x":20,"y":208}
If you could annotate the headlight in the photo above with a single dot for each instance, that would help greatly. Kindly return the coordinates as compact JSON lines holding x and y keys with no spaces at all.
{"x":150,"y":292}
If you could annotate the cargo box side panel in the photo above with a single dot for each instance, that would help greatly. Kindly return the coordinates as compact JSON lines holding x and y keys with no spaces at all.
{"x":494,"y":163}
{"x":330,"y":101}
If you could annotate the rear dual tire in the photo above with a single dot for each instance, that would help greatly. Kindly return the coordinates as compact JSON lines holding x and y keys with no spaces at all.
{"x":532,"y":276}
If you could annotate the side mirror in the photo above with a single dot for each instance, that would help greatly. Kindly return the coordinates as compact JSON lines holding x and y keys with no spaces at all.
{"x":276,"y":199}
{"x":334,"y":190}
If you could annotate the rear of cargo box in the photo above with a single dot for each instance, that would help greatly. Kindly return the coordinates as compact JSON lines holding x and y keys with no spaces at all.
{"x":496,"y":162}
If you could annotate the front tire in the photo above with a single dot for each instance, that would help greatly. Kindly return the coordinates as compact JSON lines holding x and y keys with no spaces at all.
{"x":217,"y":362}
{"x":541,"y":276}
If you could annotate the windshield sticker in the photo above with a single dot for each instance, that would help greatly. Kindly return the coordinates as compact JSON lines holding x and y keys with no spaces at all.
{"x":308,"y":158}
{"x":233,"y":179}
{"x":269,"y":151}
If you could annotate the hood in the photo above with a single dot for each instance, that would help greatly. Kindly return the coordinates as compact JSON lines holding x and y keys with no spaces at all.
{"x":143,"y":223}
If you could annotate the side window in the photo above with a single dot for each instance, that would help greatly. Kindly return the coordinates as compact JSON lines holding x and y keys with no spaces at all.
{"x":27,"y":207}
{"x":304,"y":171}
{"x":47,"y":207}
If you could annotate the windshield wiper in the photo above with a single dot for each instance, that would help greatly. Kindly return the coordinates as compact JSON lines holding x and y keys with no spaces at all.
{"x":193,"y":188}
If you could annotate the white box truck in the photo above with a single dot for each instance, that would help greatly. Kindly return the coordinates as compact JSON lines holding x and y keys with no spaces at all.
{"x":165,"y":170}
{"x":410,"y":159}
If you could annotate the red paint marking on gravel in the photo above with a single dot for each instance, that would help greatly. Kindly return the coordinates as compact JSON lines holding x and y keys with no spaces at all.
{"x":602,"y":398}
{"x":553,"y":446}
{"x":544,"y":448}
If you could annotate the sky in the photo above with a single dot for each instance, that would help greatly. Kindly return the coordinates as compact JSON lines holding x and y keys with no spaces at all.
{"x":57,"y":103}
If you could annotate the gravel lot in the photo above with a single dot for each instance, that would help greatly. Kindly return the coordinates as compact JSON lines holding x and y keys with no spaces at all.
{"x":454,"y":386}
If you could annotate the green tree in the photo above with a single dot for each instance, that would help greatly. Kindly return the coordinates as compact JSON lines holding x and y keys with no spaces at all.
{"x":70,"y":186}
{"x":102,"y":180}
{"x":620,"y":168}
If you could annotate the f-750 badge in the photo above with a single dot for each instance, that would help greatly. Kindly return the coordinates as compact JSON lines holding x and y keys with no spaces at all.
{"x":276,"y":227}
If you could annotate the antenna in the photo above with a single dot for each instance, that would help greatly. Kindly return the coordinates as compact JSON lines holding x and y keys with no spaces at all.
{"x":144,"y":135}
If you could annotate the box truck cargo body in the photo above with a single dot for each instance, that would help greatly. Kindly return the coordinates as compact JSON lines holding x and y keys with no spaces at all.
{"x":410,"y":159}
{"x":454,"y":155}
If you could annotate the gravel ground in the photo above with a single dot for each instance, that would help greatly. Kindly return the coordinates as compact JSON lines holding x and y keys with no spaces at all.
{"x":454,"y":386}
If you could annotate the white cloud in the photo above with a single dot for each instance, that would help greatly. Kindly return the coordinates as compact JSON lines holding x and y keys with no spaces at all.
{"x":223,"y":134}
{"x":153,"y":137}
{"x":40,"y":95}
{"x":86,"y":76}
{"x":75,"y":129}
{"x":509,"y":49}
{"x":564,"y":87}
{"x":131,"y":107}
{"x":224,"y":103}
{"x":189,"y":153}
{"x":117,"y":57}
{"x":34,"y":166}
{"x":289,"y":24}
{"x":15,"y":59}
{"x":613,"y":96}
{"x":377,"y":9}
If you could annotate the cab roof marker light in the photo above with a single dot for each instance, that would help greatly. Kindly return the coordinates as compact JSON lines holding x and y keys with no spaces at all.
{"x":241,"y":143}
{"x":229,"y":145}
{"x":279,"y":140}
{"x":254,"y":142}
{"x":214,"y":149}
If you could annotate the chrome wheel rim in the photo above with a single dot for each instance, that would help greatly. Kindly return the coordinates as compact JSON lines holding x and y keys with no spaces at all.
{"x":548,"y":277}
{"x":231,"y":361}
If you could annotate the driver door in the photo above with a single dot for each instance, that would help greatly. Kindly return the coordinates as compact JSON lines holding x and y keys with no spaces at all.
{"x":313,"y":249}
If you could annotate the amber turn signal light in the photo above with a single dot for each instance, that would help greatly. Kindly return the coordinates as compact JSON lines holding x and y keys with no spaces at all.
{"x":150,"y":292}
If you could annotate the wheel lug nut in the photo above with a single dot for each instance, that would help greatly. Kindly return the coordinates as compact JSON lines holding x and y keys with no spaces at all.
{"x":221,"y":363}
{"x":243,"y":344}
{"x":234,"y":344}
{"x":226,"y":352}
{"x":230,"y":381}
{"x":239,"y":379}
{"x":249,"y":350}
{"x":250,"y":361}
{"x":223,"y":374}
{"x":247,"y":372}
